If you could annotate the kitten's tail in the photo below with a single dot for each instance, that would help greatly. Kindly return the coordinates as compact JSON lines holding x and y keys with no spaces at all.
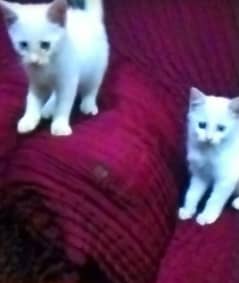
{"x":95,"y":7}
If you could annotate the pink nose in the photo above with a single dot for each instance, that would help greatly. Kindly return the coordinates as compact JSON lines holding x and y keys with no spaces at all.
{"x":209,"y":139}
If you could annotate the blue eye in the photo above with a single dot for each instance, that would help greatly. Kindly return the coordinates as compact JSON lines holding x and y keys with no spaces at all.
{"x":23,"y":44}
{"x":221,"y":128}
{"x":202,"y":125}
{"x":45,"y":45}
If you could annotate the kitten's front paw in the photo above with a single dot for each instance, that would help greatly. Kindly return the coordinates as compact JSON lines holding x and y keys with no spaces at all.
{"x":88,"y":106}
{"x":235,"y":203}
{"x":206,"y":218}
{"x":27,"y":124}
{"x":185,"y":214}
{"x":60,"y":127}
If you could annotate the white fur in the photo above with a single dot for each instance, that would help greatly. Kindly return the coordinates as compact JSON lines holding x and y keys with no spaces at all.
{"x":77,"y":60}
{"x":235,"y":203}
{"x":212,"y":155}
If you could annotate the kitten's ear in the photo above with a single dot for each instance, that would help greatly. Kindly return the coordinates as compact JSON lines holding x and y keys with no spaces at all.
{"x":57,"y":12}
{"x":8,"y":12}
{"x":197,"y":97}
{"x":234,"y":105}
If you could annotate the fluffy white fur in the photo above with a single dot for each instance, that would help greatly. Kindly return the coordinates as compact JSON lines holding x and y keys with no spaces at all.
{"x":212,"y":153}
{"x":63,"y":50}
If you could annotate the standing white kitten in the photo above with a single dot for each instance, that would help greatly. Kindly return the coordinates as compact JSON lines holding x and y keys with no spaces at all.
{"x":63,"y":50}
{"x":212,"y":153}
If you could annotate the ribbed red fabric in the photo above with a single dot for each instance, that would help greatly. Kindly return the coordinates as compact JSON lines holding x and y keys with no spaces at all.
{"x":111,"y":198}
{"x":12,"y":92}
{"x":114,"y":184}
{"x":198,"y":255}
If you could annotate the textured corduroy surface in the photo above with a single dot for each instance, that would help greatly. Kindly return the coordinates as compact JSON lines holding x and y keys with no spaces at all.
{"x":113,"y":186}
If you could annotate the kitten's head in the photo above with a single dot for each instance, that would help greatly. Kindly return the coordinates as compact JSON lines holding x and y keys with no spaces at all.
{"x":212,"y":119}
{"x":36,"y":30}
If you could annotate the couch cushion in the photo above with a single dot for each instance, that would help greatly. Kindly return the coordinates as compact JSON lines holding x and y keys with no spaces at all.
{"x":208,"y":254}
{"x":179,"y":44}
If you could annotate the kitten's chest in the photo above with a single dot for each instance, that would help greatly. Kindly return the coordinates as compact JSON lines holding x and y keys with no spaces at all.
{"x":205,"y":161}
{"x":214,"y":162}
{"x":42,"y":76}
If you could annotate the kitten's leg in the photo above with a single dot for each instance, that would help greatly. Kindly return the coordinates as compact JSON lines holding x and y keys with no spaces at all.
{"x":88,"y":104}
{"x":65,"y":96}
{"x":235,"y":203}
{"x":32,"y":115}
{"x":49,"y":107}
{"x":196,"y":190}
{"x":89,"y":100}
{"x":222,"y":191}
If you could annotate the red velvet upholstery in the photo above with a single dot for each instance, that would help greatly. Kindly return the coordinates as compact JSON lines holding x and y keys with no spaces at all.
{"x":12,"y":91}
{"x":114,"y":185}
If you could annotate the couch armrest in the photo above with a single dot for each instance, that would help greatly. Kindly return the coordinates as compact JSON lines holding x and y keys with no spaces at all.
{"x":109,"y":184}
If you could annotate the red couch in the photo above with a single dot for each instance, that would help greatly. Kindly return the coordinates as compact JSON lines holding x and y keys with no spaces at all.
{"x":104,"y":201}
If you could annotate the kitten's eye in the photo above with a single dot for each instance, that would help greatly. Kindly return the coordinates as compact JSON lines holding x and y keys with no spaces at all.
{"x":45,"y":45}
{"x":221,"y":128}
{"x":202,"y":125}
{"x":23,"y":44}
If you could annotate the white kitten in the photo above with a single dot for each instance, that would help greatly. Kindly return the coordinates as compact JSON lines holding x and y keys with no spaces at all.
{"x":212,"y":153}
{"x":63,"y":50}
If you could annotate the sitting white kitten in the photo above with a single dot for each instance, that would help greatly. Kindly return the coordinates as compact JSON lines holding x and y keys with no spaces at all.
{"x":212,"y":153}
{"x":63,"y":50}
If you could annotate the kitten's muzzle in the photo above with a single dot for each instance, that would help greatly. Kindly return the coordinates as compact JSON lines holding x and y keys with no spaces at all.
{"x":36,"y":60}
{"x":206,"y":139}
{"x":209,"y":140}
